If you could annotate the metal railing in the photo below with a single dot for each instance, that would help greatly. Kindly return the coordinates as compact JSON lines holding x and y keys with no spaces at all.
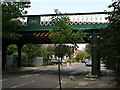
{"x":75,"y":18}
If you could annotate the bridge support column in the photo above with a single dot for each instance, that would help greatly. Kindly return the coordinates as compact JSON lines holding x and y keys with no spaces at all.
{"x":94,"y":54}
{"x":4,"y":48}
{"x":98,"y":62}
{"x":19,"y":55}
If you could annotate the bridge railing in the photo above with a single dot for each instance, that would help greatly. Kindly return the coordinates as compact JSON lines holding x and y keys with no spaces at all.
{"x":75,"y":18}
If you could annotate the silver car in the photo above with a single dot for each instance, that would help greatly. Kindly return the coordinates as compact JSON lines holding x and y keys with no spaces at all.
{"x":89,"y":63}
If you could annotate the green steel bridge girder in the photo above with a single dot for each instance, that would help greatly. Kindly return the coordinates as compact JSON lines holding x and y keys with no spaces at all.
{"x":38,"y":27}
{"x":35,"y":23}
{"x":30,"y":29}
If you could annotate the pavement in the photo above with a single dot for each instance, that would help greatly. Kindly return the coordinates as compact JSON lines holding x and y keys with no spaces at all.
{"x":105,"y":80}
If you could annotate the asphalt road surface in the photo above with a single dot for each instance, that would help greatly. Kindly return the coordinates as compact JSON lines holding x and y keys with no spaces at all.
{"x":37,"y":77}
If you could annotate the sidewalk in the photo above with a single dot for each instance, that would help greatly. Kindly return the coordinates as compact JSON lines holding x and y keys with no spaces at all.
{"x":103,"y":81}
{"x":29,"y":69}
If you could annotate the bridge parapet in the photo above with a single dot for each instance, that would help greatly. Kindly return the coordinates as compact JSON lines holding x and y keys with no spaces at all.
{"x":94,"y":20}
{"x":75,"y":18}
{"x":78,"y":19}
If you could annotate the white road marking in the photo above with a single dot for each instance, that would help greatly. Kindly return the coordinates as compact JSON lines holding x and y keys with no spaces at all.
{"x":63,"y":82}
{"x":3,"y":80}
{"x":20,"y":76}
{"x":37,"y":74}
{"x":22,"y":84}
{"x":25,"y":76}
{"x":59,"y":86}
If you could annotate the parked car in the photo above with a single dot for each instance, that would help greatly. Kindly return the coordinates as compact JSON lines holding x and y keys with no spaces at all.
{"x":86,"y":60}
{"x":89,"y":63}
{"x":54,"y":62}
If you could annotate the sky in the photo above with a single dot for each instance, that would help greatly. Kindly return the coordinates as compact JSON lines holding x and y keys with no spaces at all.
{"x":68,"y":6}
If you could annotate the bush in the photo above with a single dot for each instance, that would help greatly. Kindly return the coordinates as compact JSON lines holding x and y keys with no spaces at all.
{"x":74,"y":60}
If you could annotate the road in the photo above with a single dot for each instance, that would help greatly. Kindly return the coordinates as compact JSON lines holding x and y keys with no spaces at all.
{"x":39,"y":77}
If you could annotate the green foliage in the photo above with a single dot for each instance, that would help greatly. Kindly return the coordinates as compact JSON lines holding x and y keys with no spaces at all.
{"x":110,"y":41}
{"x":82,"y":55}
{"x":74,"y":60}
{"x":88,"y":49}
{"x":11,"y":49}
{"x":31,"y":50}
{"x":10,"y":17}
{"x":24,"y":59}
{"x":46,"y":53}
{"x":63,"y":33}
{"x":15,"y":58}
{"x":61,"y":50}
{"x":111,"y":37}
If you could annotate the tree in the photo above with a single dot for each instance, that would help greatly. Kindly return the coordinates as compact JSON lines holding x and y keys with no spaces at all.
{"x":110,"y":41}
{"x":88,"y":49}
{"x":46,"y":53}
{"x":63,"y":34}
{"x":82,"y":55}
{"x":12,"y":50}
{"x":10,"y":16}
{"x":11,"y":11}
{"x":31,"y":50}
